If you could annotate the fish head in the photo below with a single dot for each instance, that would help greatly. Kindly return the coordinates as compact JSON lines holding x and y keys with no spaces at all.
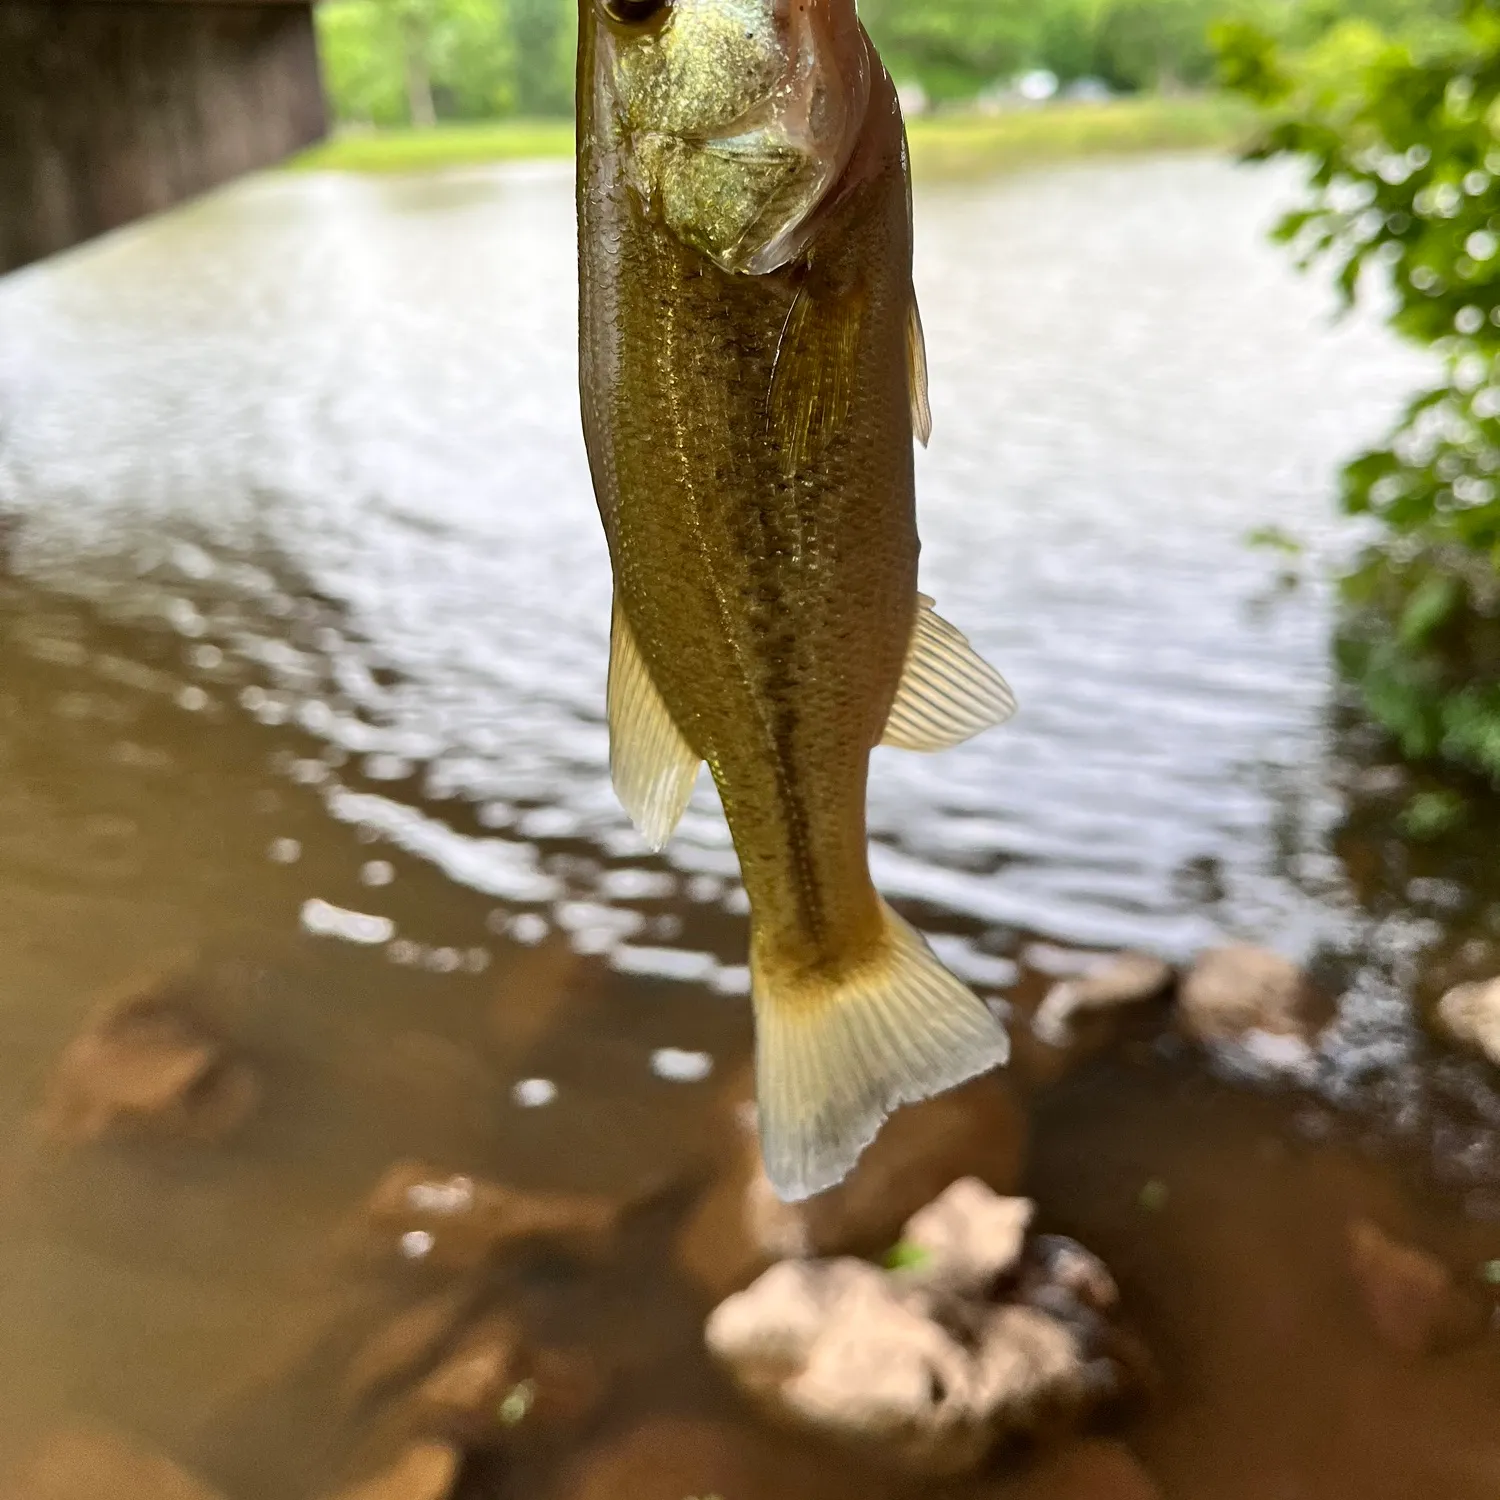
{"x":734,"y":120}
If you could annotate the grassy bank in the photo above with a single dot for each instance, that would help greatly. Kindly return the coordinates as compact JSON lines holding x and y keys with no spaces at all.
{"x":943,"y":146}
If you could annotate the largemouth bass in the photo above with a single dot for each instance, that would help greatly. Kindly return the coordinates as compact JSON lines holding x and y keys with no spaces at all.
{"x":752,"y":376}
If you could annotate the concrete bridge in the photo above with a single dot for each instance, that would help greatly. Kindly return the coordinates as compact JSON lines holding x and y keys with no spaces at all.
{"x":111,"y":109}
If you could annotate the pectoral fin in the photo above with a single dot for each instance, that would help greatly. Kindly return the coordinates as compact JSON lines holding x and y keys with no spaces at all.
{"x":812,"y":387}
{"x":948,"y":693}
{"x":916,"y":374}
{"x":653,"y":766}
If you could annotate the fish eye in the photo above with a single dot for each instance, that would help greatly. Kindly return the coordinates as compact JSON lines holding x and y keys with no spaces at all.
{"x":634,"y":12}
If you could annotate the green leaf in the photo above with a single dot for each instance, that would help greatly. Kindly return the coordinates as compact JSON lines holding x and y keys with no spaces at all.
{"x":907,"y":1257}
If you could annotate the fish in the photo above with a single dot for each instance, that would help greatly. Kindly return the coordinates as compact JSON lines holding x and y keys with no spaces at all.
{"x":753,"y":372}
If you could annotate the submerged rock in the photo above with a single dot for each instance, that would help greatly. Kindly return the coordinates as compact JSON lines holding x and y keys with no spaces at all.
{"x":426,"y":1471}
{"x":90,"y":1463}
{"x":408,"y":1344}
{"x":457,"y":1222}
{"x":673,"y":1458}
{"x":1127,"y":980}
{"x":1057,"y":1266}
{"x":741,"y":1227}
{"x":463,"y":1397}
{"x":919,"y":1366}
{"x":147,"y":1064}
{"x":495,"y":1387}
{"x":1470,"y":1014}
{"x":1091,"y":1470}
{"x":1409,"y":1294}
{"x":1231,"y":994}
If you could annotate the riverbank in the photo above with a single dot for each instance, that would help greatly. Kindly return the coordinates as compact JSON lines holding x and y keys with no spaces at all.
{"x":945,"y":145}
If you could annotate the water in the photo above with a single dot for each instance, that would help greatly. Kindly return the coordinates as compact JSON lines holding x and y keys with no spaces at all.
{"x":302,"y":653}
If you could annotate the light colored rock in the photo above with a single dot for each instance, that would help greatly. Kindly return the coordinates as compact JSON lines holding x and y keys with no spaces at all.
{"x":93,"y":1463}
{"x":426,"y":1471}
{"x":1470,"y":1014}
{"x":147,"y":1064}
{"x":1409,"y":1295}
{"x":970,"y":1236}
{"x":1026,"y":1365}
{"x":1126,"y":980}
{"x":767,"y":1332}
{"x":881,"y":1374}
{"x":853,"y":1353}
{"x":1230,"y":992}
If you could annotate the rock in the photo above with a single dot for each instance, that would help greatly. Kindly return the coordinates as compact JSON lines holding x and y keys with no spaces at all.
{"x":463,"y":1398}
{"x":1410,"y":1295}
{"x":671,"y":1458}
{"x":1056,"y":1263}
{"x":495,"y":1387}
{"x":1470,"y":1014}
{"x":566,"y":1389}
{"x":407,"y":1345}
{"x":87,"y":1463}
{"x":146,"y":1065}
{"x":842,"y":1349}
{"x":1126,"y":980}
{"x":426,"y":1471}
{"x":1093,"y":1470}
{"x":1030,"y":1365}
{"x":419,"y":1214}
{"x":968,"y":1238}
{"x":740,"y":1227}
{"x":1232,"y":993}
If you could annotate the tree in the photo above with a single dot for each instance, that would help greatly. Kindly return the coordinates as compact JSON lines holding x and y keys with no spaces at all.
{"x":1401,"y":139}
{"x":391,"y":62}
{"x":956,"y":46}
{"x":544,"y":34}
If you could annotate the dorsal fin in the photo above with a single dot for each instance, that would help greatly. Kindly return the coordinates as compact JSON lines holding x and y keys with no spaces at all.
{"x":652,"y":764}
{"x":948,"y":693}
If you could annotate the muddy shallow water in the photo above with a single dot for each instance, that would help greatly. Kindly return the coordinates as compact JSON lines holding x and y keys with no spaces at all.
{"x":302,"y":651}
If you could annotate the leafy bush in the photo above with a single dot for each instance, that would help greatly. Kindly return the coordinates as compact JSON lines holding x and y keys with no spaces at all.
{"x":1400,"y":134}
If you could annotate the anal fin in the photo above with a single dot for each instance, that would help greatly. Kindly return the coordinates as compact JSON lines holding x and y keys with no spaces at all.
{"x":948,"y":692}
{"x":652,"y":764}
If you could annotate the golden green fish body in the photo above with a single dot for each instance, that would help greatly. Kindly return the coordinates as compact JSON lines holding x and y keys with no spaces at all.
{"x":750,"y":435}
{"x":774,"y":609}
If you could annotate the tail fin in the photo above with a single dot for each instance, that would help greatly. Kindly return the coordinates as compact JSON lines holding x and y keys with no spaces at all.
{"x":834,"y":1057}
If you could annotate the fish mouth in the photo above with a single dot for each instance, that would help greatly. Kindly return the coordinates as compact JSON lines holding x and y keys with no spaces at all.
{"x":748,"y":191}
{"x":811,"y":123}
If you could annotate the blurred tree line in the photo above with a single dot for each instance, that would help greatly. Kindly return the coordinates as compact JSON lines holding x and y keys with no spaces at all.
{"x":394,"y":62}
{"x":1401,"y":135}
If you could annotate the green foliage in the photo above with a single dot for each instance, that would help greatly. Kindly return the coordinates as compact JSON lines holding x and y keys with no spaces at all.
{"x":907,"y":1257}
{"x":406,"y":62}
{"x":362,"y":62}
{"x":1400,"y":134}
{"x":480,"y":58}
